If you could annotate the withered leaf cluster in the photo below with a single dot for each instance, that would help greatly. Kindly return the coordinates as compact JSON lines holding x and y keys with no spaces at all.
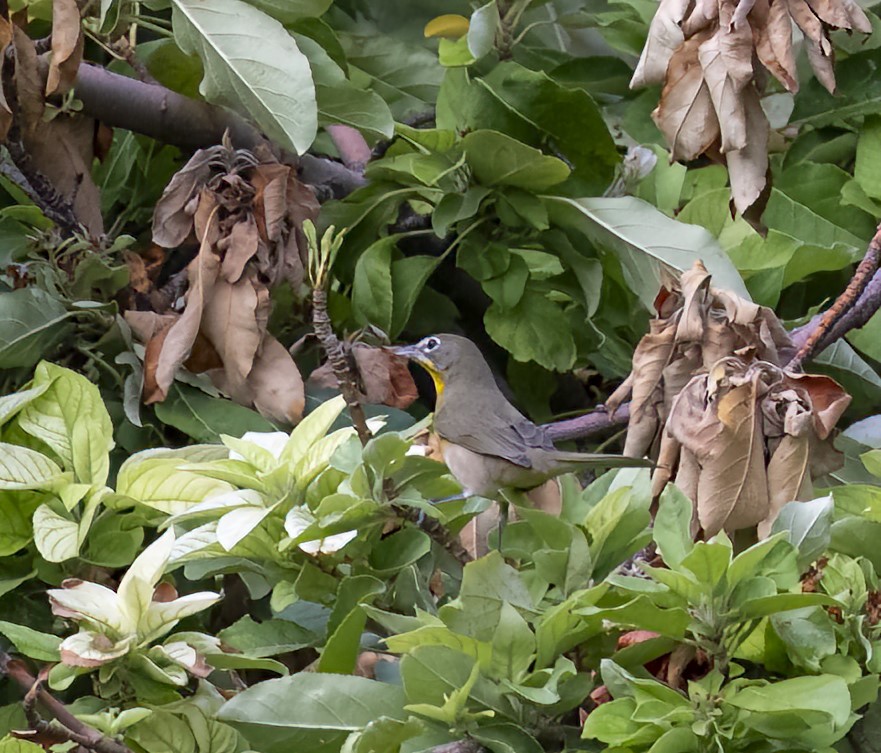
{"x":711,"y":399}
{"x":246,"y":216}
{"x":54,"y":149}
{"x":705,"y":54}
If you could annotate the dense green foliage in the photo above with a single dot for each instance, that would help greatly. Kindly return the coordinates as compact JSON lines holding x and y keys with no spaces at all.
{"x":196,"y":576}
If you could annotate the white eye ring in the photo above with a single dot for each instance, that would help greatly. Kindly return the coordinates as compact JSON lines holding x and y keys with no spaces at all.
{"x":431,"y":343}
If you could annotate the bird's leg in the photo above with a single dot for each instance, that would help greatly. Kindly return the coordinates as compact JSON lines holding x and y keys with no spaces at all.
{"x":453,"y":498}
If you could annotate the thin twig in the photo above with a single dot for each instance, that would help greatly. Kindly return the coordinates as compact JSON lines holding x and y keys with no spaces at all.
{"x":845,"y":303}
{"x":436,"y":531}
{"x":65,"y":724}
{"x":339,"y":362}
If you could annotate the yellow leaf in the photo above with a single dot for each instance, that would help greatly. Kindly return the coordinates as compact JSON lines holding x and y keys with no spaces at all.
{"x":450,"y":26}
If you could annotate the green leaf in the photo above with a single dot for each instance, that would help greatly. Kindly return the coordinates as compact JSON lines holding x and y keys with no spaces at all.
{"x":162,"y":731}
{"x":499,"y":160}
{"x":347,"y":104}
{"x":372,"y":287}
{"x":506,"y":738}
{"x":383,"y":734}
{"x":267,"y":638}
{"x":857,"y":93}
{"x":71,"y":418}
{"x":16,"y":509}
{"x":825,"y":693}
{"x":12,"y":404}
{"x":32,"y":643}
{"x":568,"y":116}
{"x":409,"y":276}
{"x":340,"y":653}
{"x":672,"y":526}
{"x":534,"y":330}
{"x":406,"y":75}
{"x":113,"y":541}
{"x":507,"y":289}
{"x":24,"y":468}
{"x":252,"y":65}
{"x":807,"y":526}
{"x":399,"y":550}
{"x":32,"y":323}
{"x":645,"y":242}
{"x":482,"y":29}
{"x":288,"y":11}
{"x":513,"y":646}
{"x":766,"y":605}
{"x":205,"y":418}
{"x":13,"y":745}
{"x":309,"y":711}
{"x":869,"y":156}
{"x":809,"y":635}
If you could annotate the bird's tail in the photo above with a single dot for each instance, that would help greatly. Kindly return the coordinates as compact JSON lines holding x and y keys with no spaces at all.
{"x":606,"y":461}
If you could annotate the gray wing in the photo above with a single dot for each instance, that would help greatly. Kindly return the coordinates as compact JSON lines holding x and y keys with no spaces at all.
{"x":509,"y":438}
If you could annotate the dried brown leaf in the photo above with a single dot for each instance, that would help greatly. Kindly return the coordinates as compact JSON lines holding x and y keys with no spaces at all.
{"x":732,"y":487}
{"x":229,"y":321}
{"x":238,"y":247}
{"x":275,"y":384}
{"x":842,"y":14}
{"x":385,"y":377}
{"x":146,"y":324}
{"x":685,"y":113}
{"x":664,"y":38}
{"x":203,"y":273}
{"x":828,"y":400}
{"x":748,"y":167}
{"x":822,"y":63}
{"x":772,"y":36}
{"x":726,"y":60}
{"x":67,"y":47}
{"x":5,"y":110}
{"x":703,"y":15}
{"x":172,"y":222}
{"x":28,"y":83}
{"x":788,"y":477}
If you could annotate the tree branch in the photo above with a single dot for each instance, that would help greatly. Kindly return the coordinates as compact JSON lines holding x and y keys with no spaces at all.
{"x":67,"y":726}
{"x":154,"y":111}
{"x":821,"y":334}
{"x":581,"y":427}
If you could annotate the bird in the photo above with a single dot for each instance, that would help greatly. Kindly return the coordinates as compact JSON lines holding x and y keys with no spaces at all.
{"x":488,"y":445}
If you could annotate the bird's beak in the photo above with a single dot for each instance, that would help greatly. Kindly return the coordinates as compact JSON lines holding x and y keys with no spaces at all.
{"x":407,"y":351}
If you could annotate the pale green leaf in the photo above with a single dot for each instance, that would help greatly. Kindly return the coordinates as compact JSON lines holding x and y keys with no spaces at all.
{"x":252,"y":65}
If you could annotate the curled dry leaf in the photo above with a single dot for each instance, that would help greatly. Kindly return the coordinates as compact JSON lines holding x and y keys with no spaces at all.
{"x":704,"y":53}
{"x":735,"y":431}
{"x":61,"y":151}
{"x":384,"y":377}
{"x":246,"y":216}
{"x":67,"y":47}
{"x":5,"y":111}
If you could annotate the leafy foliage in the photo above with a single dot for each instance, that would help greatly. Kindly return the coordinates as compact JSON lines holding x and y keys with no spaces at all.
{"x":197,"y":553}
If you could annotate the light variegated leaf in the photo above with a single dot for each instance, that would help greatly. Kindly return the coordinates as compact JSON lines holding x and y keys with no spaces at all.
{"x":312,"y":428}
{"x":161,"y":484}
{"x":88,"y":648}
{"x":57,"y":537}
{"x":94,"y":604}
{"x":137,"y":585}
{"x":235,"y":525}
{"x":24,"y":468}
{"x":162,"y":616}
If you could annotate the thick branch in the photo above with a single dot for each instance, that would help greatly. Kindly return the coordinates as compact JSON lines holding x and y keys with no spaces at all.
{"x":169,"y":117}
{"x":68,"y":725}
{"x":595,"y":422}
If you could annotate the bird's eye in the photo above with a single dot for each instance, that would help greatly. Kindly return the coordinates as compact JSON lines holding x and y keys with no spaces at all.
{"x":431,"y":343}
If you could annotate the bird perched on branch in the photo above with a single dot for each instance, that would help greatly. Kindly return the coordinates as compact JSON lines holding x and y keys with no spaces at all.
{"x":488,"y":445}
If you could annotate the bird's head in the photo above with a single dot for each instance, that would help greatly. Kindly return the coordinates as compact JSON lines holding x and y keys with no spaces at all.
{"x":446,"y":357}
